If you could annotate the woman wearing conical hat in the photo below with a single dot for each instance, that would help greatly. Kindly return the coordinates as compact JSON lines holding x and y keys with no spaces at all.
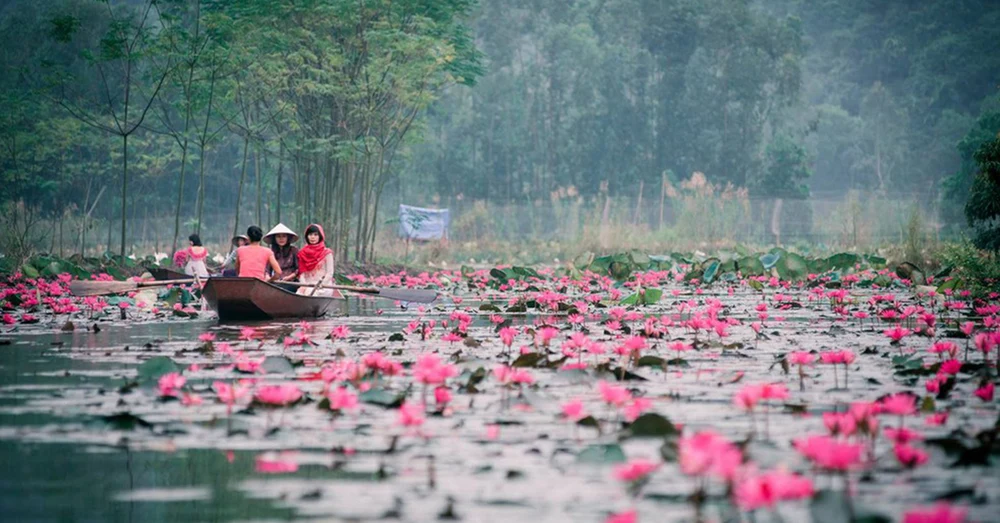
{"x":316,"y":263}
{"x":281,"y":238}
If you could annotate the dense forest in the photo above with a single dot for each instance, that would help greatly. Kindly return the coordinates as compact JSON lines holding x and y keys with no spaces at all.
{"x":209,"y":115}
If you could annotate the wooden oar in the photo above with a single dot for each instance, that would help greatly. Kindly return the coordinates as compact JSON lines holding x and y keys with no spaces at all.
{"x":410,"y":295}
{"x":100,"y":288}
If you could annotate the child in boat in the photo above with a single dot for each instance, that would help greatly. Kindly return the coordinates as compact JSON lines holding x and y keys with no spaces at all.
{"x":253,"y":260}
{"x":281,"y":238}
{"x":228,"y":265}
{"x":315,"y":263}
{"x":195,"y":255}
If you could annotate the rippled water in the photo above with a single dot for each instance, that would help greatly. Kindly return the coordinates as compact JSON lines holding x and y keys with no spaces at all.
{"x":496,"y":456}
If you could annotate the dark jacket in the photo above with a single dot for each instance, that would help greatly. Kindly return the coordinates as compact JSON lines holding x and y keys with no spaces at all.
{"x":288,"y":258}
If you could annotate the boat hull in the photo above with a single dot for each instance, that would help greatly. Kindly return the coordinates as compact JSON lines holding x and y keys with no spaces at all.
{"x":249,"y":299}
{"x":162,"y":273}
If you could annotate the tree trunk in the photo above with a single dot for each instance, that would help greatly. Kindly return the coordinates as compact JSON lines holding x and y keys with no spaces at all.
{"x":239,"y":191}
{"x":180,"y":197}
{"x":124,"y":188}
{"x":281,"y":164}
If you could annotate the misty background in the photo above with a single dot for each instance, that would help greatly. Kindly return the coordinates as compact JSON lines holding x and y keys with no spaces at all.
{"x":548,"y":128}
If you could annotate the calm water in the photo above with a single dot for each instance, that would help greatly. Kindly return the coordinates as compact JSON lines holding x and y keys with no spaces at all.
{"x":495,"y":456}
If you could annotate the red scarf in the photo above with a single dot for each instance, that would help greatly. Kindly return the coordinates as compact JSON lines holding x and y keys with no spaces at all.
{"x":311,"y":255}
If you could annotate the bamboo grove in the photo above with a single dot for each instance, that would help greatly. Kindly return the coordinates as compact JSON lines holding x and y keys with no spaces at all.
{"x":313,"y":99}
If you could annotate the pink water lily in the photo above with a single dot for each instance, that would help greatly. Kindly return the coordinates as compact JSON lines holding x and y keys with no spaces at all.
{"x":170,"y":384}
{"x":278,"y":395}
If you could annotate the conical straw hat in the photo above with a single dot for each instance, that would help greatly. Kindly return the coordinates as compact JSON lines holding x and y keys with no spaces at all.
{"x":281,"y":229}
{"x":240,"y":237}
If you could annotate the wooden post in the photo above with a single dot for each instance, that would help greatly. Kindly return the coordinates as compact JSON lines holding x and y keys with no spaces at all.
{"x":638,"y":205}
{"x":663,"y":196}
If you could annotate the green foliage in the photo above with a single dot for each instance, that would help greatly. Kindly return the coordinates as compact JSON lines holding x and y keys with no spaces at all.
{"x":980,"y":270}
{"x":785,"y":172}
{"x":982,"y":210}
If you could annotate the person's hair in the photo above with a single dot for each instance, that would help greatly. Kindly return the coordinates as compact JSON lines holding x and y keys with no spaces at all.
{"x":195,"y":239}
{"x":313,"y":229}
{"x":254,"y":233}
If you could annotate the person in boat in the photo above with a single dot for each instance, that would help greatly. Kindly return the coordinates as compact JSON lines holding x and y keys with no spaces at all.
{"x":316,"y":263}
{"x":253,"y":260}
{"x":195,"y":254}
{"x":228,"y":267}
{"x":281,"y":238}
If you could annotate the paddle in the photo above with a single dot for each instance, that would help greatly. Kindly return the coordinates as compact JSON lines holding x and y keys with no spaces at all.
{"x":410,"y":295}
{"x":100,"y":288}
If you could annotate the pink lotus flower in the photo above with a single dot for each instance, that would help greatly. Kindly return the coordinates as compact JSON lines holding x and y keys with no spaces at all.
{"x":430,"y":370}
{"x":801,"y":358}
{"x":507,"y":335}
{"x":908,"y":456}
{"x":636,"y":408}
{"x":707,"y":452}
{"x":944,"y":347}
{"x":900,"y":404}
{"x":840,"y":424}
{"x":967,"y":328}
{"x":985,"y":392}
{"x":340,"y":332}
{"x":270,"y":463}
{"x":573,"y":410}
{"x":829,"y":453}
{"x":897,"y":333}
{"x":629,"y":516}
{"x":207,"y":337}
{"x":341,"y":399}
{"x":613,"y":394}
{"x":940,"y":513}
{"x":278,"y":395}
{"x":169,"y":384}
{"x":191,"y":400}
{"x":767,"y":489}
{"x":248,"y":333}
{"x":411,"y":414}
{"x":635,"y":470}
{"x":936,"y":419}
{"x":442,"y":396}
{"x":902,"y":435}
{"x":230,"y":394}
{"x":452,"y":337}
{"x":951,"y":367}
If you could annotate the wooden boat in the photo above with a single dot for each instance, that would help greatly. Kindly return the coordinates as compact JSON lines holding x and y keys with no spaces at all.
{"x":161,"y":274}
{"x":247,"y":299}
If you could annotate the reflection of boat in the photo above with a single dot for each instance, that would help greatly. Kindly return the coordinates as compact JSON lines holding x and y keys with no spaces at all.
{"x":161,"y":273}
{"x":238,"y":299}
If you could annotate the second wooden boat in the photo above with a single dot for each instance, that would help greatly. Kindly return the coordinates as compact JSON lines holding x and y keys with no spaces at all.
{"x":248,"y":299}
{"x":162,"y":273}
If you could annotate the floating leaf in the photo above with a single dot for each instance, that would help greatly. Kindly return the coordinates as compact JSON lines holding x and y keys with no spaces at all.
{"x":383,"y":398}
{"x":151,"y":370}
{"x":277,"y":365}
{"x":651,"y":425}
{"x":601,"y":454}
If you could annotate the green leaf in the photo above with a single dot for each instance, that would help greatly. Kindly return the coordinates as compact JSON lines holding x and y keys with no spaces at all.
{"x":151,"y":370}
{"x":652,"y":425}
{"x":769,"y":260}
{"x":601,"y":454}
{"x":277,"y":365}
{"x":829,"y":506}
{"x":710,"y":268}
{"x":529,"y":359}
{"x":126,"y":421}
{"x":383,"y":398}
{"x":29,"y":271}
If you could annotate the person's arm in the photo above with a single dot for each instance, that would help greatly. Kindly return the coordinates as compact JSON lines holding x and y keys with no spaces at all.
{"x":237,"y":265}
{"x":275,"y":266}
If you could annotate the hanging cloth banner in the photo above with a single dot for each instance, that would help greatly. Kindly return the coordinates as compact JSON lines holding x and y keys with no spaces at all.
{"x":418,"y":223}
